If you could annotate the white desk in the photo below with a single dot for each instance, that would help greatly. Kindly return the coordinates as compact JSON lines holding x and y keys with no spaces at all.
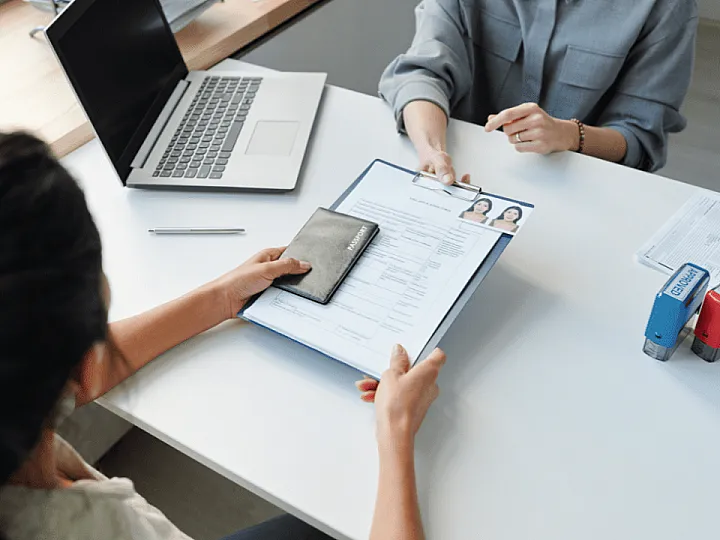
{"x":551,"y":425}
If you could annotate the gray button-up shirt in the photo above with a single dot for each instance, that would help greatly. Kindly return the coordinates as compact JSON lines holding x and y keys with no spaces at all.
{"x":623,"y":64}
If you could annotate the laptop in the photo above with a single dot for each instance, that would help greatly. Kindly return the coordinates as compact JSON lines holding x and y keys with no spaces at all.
{"x":164,"y":126}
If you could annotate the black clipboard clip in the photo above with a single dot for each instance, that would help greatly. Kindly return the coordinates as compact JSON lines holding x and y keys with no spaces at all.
{"x":471,"y":189}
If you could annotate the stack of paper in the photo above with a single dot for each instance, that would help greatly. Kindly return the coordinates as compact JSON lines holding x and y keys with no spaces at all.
{"x":691,"y":235}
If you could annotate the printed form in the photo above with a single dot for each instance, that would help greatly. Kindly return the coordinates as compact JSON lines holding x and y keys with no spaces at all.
{"x":691,"y":235}
{"x":403,"y":285}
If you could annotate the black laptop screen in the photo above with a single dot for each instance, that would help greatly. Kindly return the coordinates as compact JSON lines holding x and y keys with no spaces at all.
{"x":123,"y":63}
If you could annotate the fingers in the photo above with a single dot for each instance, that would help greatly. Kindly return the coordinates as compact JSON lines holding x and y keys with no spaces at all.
{"x":367,"y":385}
{"x":441,"y":165}
{"x":525,"y":124}
{"x":368,"y":388}
{"x":399,"y":360}
{"x":267,"y":255}
{"x":465,"y":179}
{"x":534,"y":147}
{"x":528,"y":136}
{"x":533,"y":141}
{"x":283,"y":267}
{"x":510,"y":115}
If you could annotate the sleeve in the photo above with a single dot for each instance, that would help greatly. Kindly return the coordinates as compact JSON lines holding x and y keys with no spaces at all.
{"x":653,"y":83}
{"x":436,"y":68}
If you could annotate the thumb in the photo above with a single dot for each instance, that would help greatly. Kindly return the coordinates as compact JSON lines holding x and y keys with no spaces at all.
{"x":399,"y":360}
{"x":444,"y":169}
{"x":283,"y":267}
{"x":431,"y":366}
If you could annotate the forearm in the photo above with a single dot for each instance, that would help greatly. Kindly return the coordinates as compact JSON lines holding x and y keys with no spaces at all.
{"x":602,"y":143}
{"x":397,"y":514}
{"x":426,"y":125}
{"x":135,"y":341}
{"x":605,"y":143}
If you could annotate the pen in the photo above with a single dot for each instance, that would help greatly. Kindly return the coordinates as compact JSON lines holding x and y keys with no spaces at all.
{"x":462,"y":185}
{"x":196,"y":230}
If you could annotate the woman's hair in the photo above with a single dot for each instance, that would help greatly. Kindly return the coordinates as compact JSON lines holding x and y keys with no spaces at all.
{"x":51,"y":304}
{"x":489,"y":203}
{"x":519,"y":211}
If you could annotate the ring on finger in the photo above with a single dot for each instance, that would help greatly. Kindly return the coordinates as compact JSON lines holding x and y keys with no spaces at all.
{"x":518,"y":138}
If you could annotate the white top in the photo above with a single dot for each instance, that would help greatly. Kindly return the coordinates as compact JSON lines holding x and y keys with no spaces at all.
{"x":551,"y":423}
{"x":93,"y":508}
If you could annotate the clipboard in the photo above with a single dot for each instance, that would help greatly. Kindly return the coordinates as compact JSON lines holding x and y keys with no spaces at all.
{"x":466,"y":192}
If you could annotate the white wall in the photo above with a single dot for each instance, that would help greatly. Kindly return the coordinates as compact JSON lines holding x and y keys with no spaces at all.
{"x":710,"y":9}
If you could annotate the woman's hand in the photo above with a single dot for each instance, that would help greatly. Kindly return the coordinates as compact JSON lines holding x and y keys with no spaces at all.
{"x":254,"y":276}
{"x":426,"y":124}
{"x":439,"y":163}
{"x":531,"y":129}
{"x":403,"y":395}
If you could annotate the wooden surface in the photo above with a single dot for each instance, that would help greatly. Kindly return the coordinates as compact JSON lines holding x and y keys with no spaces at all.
{"x":34,"y":94}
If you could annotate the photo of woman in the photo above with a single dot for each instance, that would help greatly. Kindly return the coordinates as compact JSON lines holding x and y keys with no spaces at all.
{"x":478,"y":211}
{"x":508,"y":220}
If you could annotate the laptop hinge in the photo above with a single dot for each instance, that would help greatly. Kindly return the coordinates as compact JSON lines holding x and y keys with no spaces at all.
{"x":157,"y":129}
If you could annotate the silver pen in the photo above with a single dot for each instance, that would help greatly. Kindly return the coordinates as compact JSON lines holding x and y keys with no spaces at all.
{"x":196,"y":230}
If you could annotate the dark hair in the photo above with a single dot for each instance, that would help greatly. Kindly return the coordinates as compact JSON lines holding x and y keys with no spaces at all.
{"x":519,"y":210}
{"x":489,"y":203}
{"x":51,"y":307}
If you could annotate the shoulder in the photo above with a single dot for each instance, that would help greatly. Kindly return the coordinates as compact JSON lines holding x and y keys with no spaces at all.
{"x":73,"y":512}
{"x":80,"y":511}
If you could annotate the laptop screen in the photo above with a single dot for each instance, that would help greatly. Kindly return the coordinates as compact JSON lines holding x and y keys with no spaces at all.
{"x":123,"y":63}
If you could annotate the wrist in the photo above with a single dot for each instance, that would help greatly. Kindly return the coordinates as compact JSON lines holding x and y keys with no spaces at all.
{"x":394,"y":439}
{"x":571,"y":136}
{"x":429,"y":146}
{"x":396,"y":449}
{"x":219,"y":297}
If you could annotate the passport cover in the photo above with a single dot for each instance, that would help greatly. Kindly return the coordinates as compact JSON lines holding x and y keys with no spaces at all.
{"x":332,"y":242}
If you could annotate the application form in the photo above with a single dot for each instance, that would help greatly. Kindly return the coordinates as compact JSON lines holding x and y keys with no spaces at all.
{"x":691,"y":235}
{"x":403,"y":285}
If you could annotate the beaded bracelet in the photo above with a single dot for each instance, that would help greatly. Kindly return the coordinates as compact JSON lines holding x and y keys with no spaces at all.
{"x":581,"y":128}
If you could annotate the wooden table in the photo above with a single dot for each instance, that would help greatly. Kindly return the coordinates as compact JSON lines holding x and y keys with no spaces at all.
{"x":34,"y":94}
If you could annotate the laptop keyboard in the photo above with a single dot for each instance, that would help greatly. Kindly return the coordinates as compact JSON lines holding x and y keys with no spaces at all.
{"x":203,"y":142}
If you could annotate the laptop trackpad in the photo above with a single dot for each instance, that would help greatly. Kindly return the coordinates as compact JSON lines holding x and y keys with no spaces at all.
{"x":272,"y":138}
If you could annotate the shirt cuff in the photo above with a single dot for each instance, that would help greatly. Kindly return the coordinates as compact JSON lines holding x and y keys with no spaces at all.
{"x":424,"y":90}
{"x":635,"y":155}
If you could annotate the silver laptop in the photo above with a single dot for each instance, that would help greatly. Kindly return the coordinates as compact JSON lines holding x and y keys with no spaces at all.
{"x":163,"y":126}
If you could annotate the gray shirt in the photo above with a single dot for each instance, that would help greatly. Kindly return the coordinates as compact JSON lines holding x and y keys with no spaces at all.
{"x":623,"y":64}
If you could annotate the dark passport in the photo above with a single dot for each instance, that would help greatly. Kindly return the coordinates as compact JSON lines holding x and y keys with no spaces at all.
{"x":332,"y":242}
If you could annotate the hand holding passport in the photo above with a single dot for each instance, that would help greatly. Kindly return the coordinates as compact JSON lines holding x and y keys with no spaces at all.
{"x":332,"y":242}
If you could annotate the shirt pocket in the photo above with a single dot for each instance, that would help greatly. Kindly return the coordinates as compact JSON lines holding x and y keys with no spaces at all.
{"x":591,"y":70}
